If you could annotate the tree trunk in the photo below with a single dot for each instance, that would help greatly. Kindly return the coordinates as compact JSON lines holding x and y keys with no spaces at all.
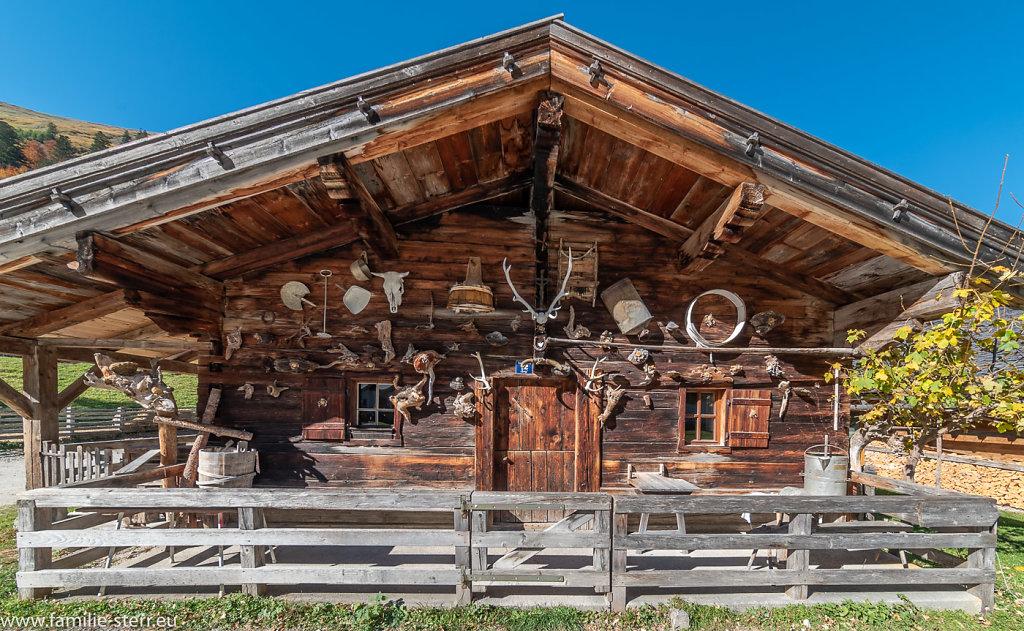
{"x":858,"y":442}
{"x":910,"y":462}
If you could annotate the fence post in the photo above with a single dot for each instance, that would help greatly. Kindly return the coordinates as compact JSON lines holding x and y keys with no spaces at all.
{"x":31,"y":518}
{"x":983,"y":559}
{"x":603,"y":556}
{"x":621,"y":527}
{"x":119,"y":419}
{"x":463,"y":592}
{"x":799,"y":560}
{"x":478,"y":556}
{"x":252,"y":556}
{"x":69,"y":421}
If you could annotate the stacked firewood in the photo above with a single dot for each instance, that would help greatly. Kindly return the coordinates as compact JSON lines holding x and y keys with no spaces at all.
{"x":1006,"y":487}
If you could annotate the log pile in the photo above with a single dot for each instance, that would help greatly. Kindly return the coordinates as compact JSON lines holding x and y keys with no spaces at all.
{"x":1006,"y":487}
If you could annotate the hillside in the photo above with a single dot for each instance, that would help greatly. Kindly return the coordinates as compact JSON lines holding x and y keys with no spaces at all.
{"x":184,"y":385}
{"x":79,"y":132}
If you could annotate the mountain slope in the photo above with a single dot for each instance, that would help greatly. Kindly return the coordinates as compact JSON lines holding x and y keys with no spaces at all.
{"x":79,"y":132}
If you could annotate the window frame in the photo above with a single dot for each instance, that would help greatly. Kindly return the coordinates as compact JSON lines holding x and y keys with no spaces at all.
{"x":355,"y":409}
{"x":721,"y":395}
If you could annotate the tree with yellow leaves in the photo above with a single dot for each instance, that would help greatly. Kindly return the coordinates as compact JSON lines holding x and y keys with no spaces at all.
{"x":965,"y":369}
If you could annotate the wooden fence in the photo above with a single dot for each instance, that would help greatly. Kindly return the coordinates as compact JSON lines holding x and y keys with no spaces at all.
{"x":461,"y":550}
{"x":84,"y":421}
{"x":97,"y":460}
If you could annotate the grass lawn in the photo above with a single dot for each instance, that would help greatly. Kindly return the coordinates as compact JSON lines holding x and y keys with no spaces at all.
{"x":244,"y":612}
{"x":184,"y":385}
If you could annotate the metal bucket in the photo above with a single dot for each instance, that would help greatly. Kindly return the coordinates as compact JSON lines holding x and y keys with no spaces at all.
{"x":825,"y":470}
{"x":233,"y":469}
{"x":626,"y":306}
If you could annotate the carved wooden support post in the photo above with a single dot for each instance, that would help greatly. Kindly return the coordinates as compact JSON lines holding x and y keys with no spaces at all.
{"x":40,"y":383}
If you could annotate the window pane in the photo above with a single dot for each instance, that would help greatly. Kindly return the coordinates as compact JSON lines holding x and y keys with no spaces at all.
{"x":707,"y":428}
{"x":386,"y":417}
{"x":367,"y":418}
{"x":383,"y":394}
{"x":707,"y":403}
{"x":690,"y":427}
{"x":367,"y":395}
{"x":691,"y":403}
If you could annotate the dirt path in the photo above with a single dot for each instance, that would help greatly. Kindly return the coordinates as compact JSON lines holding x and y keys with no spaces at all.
{"x":12,"y":477}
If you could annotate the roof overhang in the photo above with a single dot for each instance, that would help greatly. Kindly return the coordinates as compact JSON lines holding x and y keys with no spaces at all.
{"x":194,"y":168}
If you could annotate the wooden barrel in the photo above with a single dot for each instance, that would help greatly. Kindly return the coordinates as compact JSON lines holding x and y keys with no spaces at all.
{"x":234,"y":469}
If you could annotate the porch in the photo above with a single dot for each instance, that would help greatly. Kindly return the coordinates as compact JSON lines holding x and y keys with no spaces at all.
{"x":435,"y":547}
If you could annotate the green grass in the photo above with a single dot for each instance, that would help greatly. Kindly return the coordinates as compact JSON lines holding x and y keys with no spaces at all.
{"x":245,"y":612}
{"x":184,"y":385}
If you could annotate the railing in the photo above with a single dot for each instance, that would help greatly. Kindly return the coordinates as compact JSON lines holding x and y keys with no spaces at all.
{"x":450,"y":541}
{"x":966,"y":521}
{"x":96,"y":460}
{"x":87,"y":421}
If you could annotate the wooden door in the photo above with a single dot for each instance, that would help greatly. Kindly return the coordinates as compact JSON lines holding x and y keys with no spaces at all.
{"x":535,"y":440}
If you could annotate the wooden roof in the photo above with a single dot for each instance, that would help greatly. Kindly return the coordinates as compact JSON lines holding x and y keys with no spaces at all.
{"x":234,"y":194}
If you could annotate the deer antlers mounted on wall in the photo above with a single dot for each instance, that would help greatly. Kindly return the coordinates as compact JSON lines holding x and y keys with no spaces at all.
{"x":541,"y":318}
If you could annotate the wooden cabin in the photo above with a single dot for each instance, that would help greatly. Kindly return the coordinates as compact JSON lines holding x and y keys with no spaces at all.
{"x":234,"y":248}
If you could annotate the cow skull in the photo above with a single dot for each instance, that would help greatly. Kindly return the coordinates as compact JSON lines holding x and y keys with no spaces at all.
{"x":552,"y":311}
{"x":394,"y":287}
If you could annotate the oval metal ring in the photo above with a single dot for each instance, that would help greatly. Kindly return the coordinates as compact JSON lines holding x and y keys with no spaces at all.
{"x":741,"y":318}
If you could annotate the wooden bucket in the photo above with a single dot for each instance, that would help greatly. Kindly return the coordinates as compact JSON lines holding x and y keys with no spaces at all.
{"x":232,"y":469}
{"x":470,"y":299}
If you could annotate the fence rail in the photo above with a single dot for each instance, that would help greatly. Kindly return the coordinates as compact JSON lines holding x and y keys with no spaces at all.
{"x":596,"y":543}
{"x":84,"y":421}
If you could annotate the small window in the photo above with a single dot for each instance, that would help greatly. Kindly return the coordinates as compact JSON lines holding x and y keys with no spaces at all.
{"x":373,"y":405}
{"x":702,"y":417}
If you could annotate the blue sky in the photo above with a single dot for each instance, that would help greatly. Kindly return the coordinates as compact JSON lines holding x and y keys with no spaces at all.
{"x":931,"y":90}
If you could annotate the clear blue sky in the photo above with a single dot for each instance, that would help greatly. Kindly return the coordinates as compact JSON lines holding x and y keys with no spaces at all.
{"x":932,"y":90}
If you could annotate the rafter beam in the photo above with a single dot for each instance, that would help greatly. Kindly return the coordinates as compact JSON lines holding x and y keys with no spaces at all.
{"x":57,"y":319}
{"x":105,"y":259}
{"x":658,"y":225}
{"x":880,"y":316}
{"x":87,"y":356}
{"x":154,"y":345}
{"x":284,"y":250}
{"x":381,"y":234}
{"x":807,"y":284}
{"x":474,"y":194}
{"x":178,"y":299}
{"x":725,"y":225}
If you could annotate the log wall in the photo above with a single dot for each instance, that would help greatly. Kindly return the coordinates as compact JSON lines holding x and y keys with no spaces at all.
{"x":438,"y":447}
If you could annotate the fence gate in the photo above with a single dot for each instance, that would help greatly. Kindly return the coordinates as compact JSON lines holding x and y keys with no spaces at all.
{"x":573,"y":552}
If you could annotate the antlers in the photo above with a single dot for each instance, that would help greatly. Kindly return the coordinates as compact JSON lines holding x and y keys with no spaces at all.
{"x":552,"y":311}
{"x":594,"y":378}
{"x":483,"y":374}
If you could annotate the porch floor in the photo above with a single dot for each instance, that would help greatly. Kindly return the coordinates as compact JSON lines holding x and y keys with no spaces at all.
{"x":545,"y":594}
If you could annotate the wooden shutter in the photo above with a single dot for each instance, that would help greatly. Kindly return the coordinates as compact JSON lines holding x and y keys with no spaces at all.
{"x":749,"y":412}
{"x":323,"y":410}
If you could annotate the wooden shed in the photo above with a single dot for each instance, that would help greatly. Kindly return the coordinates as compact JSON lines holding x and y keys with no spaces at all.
{"x":718,"y":257}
